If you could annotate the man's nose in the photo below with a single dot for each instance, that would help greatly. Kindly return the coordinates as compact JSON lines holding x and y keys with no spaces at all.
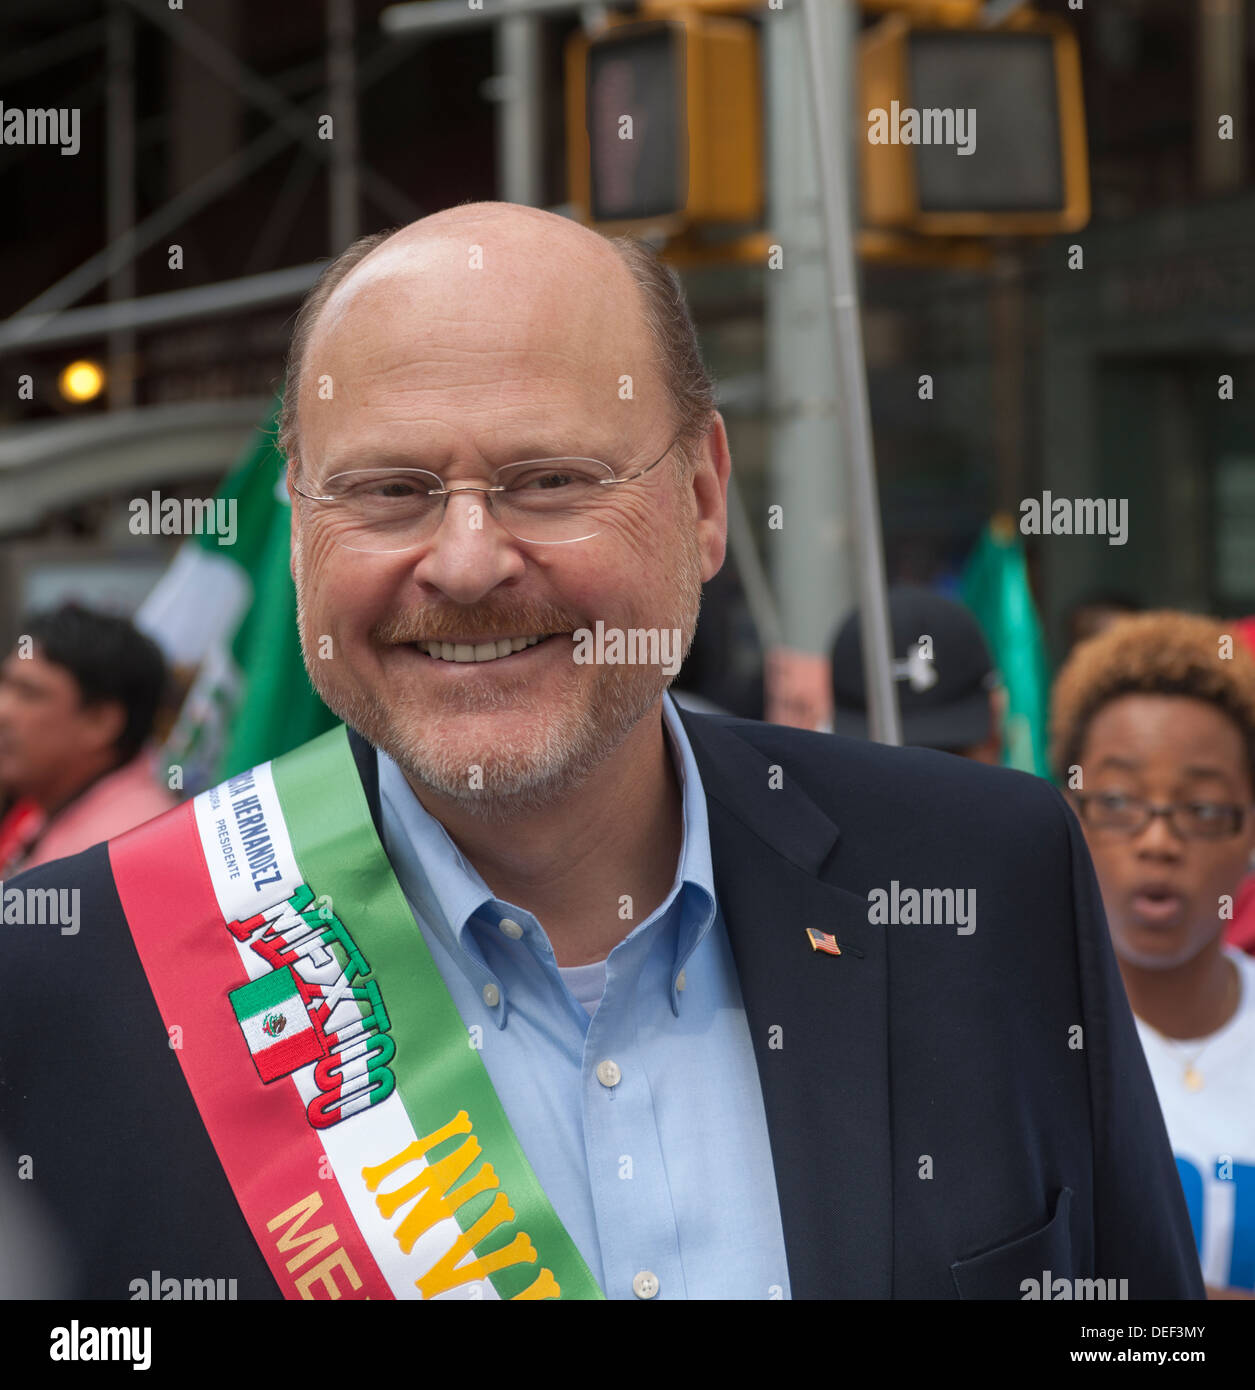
{"x":470,"y":552}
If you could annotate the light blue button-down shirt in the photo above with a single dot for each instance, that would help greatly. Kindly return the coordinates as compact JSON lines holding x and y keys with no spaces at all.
{"x":644,"y":1123}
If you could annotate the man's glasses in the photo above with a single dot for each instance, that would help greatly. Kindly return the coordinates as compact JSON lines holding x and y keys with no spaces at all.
{"x":1191,"y":820}
{"x":551,"y":501}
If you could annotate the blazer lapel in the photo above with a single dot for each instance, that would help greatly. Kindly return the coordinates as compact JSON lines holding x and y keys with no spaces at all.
{"x":818,"y":1022}
{"x":368,"y":770}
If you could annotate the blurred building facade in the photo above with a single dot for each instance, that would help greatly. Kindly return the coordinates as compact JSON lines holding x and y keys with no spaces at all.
{"x":1104,"y":380}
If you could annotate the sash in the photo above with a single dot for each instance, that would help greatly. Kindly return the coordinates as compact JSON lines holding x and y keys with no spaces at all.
{"x":344,"y":1095}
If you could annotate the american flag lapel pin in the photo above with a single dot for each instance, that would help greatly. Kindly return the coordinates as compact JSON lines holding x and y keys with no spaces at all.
{"x":821,"y":941}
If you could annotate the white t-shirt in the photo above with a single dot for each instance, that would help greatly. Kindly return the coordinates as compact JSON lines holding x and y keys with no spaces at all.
{"x":1212,"y":1131}
{"x":586,"y":982}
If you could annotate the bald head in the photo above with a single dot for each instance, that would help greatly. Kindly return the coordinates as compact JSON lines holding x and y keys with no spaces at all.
{"x":522,"y":251}
{"x":488,"y":281}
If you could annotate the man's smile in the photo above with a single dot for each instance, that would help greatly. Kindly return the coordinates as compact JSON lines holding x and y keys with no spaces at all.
{"x":499,"y":652}
{"x":493,"y":649}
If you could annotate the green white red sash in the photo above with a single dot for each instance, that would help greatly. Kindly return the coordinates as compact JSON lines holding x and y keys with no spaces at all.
{"x":341,"y":1089}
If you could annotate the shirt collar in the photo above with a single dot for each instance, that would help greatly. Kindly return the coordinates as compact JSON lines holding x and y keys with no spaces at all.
{"x":447,"y":891}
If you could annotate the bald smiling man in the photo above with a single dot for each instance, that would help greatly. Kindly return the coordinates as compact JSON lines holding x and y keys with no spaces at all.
{"x":524,"y":983}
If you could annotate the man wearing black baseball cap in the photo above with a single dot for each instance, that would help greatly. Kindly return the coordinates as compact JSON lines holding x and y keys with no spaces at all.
{"x":948,"y":686}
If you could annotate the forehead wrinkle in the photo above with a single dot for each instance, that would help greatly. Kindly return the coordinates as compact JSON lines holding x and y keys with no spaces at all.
{"x":463,"y":421}
{"x":383,"y":375}
{"x":407,"y":388}
{"x":509,"y":346}
{"x":490,"y":444}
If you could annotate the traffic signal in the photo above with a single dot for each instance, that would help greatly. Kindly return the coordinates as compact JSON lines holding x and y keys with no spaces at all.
{"x":972,"y":131}
{"x":664,"y":123}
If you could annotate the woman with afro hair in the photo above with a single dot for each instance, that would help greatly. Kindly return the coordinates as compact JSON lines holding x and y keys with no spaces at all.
{"x":1153,"y":738}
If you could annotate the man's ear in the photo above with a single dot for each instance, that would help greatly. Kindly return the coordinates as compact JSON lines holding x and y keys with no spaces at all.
{"x":711,"y":471}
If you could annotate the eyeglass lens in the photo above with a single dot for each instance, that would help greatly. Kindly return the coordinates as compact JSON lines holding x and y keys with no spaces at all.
{"x":549,"y":500}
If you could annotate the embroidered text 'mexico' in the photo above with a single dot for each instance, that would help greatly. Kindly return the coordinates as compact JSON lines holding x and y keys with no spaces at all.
{"x":345,"y":1006}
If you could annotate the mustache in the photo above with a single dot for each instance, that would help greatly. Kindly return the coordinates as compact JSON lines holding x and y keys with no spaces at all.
{"x":443,"y":624}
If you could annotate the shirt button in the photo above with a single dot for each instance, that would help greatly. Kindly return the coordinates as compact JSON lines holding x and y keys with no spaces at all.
{"x":608,"y":1074}
{"x":645,"y":1285}
{"x":679,"y":981}
{"x":511,"y":928}
{"x":492,"y":996}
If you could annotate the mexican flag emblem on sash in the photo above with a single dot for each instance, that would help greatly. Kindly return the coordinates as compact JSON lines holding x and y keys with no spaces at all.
{"x":318,"y":1032}
{"x":279,"y":1032}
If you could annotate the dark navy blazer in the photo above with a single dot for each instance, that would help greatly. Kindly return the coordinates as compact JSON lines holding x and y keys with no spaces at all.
{"x":951,"y":1113}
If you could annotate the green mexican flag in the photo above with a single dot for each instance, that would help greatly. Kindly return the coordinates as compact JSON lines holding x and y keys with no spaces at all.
{"x":995,"y":586}
{"x":227,"y":613}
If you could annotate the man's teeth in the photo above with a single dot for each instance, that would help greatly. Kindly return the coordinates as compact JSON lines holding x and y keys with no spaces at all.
{"x":482,"y":651}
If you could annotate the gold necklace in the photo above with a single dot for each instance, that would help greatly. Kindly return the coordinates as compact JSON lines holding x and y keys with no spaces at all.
{"x":1192,"y":1077}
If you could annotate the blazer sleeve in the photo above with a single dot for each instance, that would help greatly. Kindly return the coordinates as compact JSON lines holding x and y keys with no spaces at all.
{"x":1142,"y":1229}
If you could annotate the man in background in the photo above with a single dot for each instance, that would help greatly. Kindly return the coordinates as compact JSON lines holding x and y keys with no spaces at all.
{"x":78,"y":697}
{"x":948,"y":688}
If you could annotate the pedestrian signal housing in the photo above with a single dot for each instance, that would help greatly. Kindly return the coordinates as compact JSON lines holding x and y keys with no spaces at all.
{"x":970,"y":131}
{"x":664,"y":123}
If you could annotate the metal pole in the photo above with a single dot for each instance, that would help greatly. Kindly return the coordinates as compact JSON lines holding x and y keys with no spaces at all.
{"x":831,"y":104}
{"x":996,"y":11}
{"x":754,"y":583}
{"x":342,"y":94}
{"x":441,"y":16}
{"x":120,"y":192}
{"x":219,"y":59}
{"x":519,"y":160}
{"x":1220,"y":89}
{"x":32,"y":58}
{"x":270,"y":239}
{"x":221,"y":297}
{"x":140,"y":237}
{"x":811,"y":569}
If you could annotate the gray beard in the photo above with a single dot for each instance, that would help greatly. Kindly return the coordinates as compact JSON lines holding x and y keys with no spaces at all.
{"x":559,"y":755}
{"x":515,"y":782}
